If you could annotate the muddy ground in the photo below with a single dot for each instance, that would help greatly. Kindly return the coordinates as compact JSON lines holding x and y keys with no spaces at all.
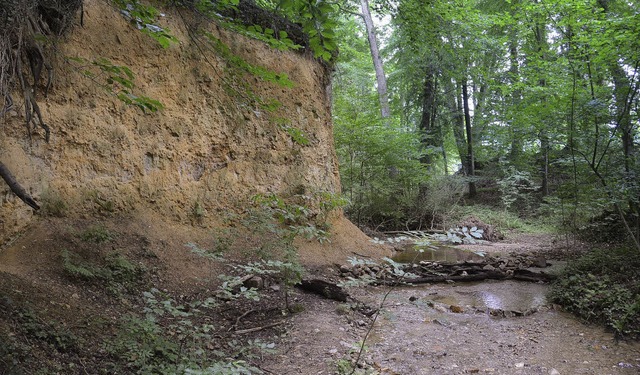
{"x":453,"y":329}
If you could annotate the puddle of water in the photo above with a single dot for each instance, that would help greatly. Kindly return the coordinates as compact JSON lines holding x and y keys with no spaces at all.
{"x":448,"y":254}
{"x":502,"y":295}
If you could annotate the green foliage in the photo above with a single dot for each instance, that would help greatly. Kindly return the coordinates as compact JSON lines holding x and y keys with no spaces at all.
{"x":145,"y":19}
{"x":273,"y":224}
{"x":212,"y":255}
{"x":13,"y":354}
{"x":603,"y":286}
{"x":318,"y":19}
{"x":116,"y":80}
{"x":292,"y":219}
{"x":172,"y":338}
{"x":296,"y":135}
{"x":281,"y":41}
{"x":115,"y":272}
{"x":517,"y":189}
{"x":97,"y":234}
{"x":239,"y":63}
{"x":502,"y":220}
{"x":51,"y":333}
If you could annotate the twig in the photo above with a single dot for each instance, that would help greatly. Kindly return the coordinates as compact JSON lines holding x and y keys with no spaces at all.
{"x":239,"y":318}
{"x":255,"y":329}
{"x":373,"y":322}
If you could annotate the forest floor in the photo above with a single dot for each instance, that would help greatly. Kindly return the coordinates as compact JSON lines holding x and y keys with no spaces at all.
{"x":71,"y":302}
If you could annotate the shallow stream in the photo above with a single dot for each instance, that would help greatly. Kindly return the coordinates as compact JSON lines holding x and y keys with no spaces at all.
{"x":497,"y":327}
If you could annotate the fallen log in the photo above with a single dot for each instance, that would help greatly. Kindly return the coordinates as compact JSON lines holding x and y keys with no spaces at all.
{"x":324,"y":288}
{"x":489,"y":275}
{"x":519,"y":274}
{"x":527,"y":275}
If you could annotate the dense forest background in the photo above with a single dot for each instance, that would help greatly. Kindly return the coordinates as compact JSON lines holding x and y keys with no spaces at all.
{"x":530,"y":106}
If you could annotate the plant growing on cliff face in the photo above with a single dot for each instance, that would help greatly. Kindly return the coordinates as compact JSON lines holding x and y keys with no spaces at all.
{"x":145,"y":18}
{"x":116,"y":80}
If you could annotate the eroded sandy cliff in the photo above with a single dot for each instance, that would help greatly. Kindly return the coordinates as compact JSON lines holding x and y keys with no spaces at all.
{"x":208,"y":150}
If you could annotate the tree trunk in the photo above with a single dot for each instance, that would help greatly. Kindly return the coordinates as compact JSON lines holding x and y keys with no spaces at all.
{"x":542,"y":44}
{"x":454,"y":105}
{"x":514,"y":75}
{"x":429,"y":136}
{"x":467,"y":124}
{"x":377,"y":61}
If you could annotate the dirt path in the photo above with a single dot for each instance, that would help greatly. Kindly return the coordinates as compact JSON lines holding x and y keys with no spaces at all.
{"x":454,"y":329}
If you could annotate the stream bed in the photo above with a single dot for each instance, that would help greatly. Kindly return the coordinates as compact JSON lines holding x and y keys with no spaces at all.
{"x":496,"y":327}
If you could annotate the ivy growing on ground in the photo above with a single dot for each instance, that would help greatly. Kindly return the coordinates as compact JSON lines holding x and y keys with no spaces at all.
{"x":603,"y":286}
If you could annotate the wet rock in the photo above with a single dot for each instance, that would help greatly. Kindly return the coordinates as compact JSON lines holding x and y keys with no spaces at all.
{"x":489,"y":267}
{"x":456,"y":309}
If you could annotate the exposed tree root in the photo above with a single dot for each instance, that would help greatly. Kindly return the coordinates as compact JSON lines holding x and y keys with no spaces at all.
{"x":16,"y":188}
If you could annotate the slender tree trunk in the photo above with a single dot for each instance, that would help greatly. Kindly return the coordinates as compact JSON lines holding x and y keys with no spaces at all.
{"x":377,"y":61}
{"x":514,"y":75}
{"x":429,"y":136}
{"x":456,"y":109}
{"x":470,"y":156}
{"x":544,"y":146}
{"x":542,"y":44}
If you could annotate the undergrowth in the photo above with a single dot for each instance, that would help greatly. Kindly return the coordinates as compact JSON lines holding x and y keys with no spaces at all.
{"x":603,"y":286}
{"x":504,"y":220}
{"x":174,"y":338}
{"x":114,"y":271}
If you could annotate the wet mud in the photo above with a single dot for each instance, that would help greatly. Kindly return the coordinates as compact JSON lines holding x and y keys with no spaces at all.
{"x":497,"y":327}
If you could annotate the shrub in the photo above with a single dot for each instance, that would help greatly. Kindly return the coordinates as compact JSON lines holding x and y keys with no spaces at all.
{"x":603,"y":286}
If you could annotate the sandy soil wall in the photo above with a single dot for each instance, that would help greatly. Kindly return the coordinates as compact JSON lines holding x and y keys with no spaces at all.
{"x":206,"y":152}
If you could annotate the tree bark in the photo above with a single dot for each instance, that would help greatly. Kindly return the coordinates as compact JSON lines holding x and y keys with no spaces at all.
{"x":455,"y":107}
{"x":467,"y":124}
{"x":542,"y":45}
{"x":429,"y":136}
{"x":514,"y":73}
{"x":377,"y":61}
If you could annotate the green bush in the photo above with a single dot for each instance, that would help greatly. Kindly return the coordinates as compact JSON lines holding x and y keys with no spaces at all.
{"x":603,"y":286}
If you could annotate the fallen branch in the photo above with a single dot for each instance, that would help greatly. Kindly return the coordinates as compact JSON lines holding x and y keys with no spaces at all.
{"x":255,"y":329}
{"x":16,"y":188}
{"x":240,"y":318}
